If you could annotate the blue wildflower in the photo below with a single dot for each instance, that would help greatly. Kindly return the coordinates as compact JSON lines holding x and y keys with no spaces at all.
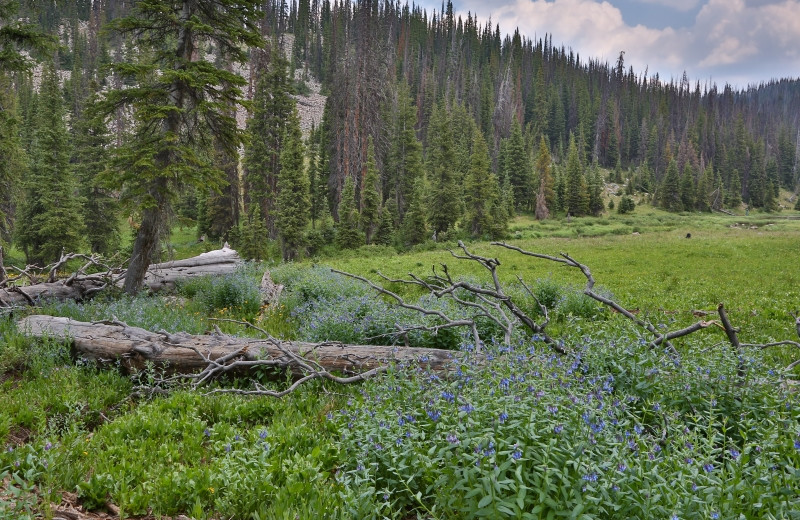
{"x":708,"y":468}
{"x":452,"y":438}
{"x":714,"y":515}
{"x":434,"y":415}
{"x":516,"y":454}
{"x":558,"y":428}
{"x":590,"y":477}
{"x":797,"y":444}
{"x":734,"y":454}
{"x":503,"y":417}
{"x":447,"y":396}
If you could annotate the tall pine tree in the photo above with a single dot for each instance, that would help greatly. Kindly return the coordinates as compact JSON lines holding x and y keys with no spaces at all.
{"x":90,"y":155}
{"x":50,"y":207}
{"x":181,"y":100}
{"x":293,"y":192}
{"x":444,"y":201}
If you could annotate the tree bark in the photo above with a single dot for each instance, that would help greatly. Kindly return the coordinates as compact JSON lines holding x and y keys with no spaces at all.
{"x":158,"y":277}
{"x":182,"y":352}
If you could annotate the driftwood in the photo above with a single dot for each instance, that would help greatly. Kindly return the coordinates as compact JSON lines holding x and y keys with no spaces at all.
{"x":215,"y":354}
{"x":43,"y":283}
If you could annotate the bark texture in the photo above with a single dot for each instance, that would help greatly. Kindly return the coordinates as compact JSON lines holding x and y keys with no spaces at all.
{"x":182,"y":352}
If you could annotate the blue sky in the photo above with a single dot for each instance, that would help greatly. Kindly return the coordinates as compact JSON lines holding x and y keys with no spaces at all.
{"x":739,"y":42}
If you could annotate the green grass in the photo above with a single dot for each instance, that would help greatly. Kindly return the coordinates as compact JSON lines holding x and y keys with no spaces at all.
{"x":73,"y":427}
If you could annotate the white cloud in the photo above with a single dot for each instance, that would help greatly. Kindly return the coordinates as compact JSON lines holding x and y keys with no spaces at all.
{"x":729,"y":40}
{"x":679,"y":5}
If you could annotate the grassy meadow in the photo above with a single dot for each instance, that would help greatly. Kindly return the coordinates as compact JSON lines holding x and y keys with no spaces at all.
{"x":613,"y":430}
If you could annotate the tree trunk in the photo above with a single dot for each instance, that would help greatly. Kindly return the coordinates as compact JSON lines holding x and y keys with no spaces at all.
{"x":181,"y":352}
{"x":159,"y":276}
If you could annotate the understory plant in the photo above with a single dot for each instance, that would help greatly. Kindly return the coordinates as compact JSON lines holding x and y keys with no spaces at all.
{"x":614,"y":430}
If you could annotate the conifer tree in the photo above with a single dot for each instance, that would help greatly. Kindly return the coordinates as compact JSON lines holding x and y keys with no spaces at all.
{"x":414,"y":230}
{"x":670,"y":196}
{"x":404,"y":162}
{"x":15,"y":36}
{"x":50,"y":207}
{"x":90,"y":155}
{"x":293,"y":191}
{"x":704,"y":187}
{"x":481,"y":190}
{"x":271,"y":110}
{"x":688,"y":192}
{"x":318,"y":178}
{"x":576,"y":198}
{"x":444,"y":201}
{"x":733,"y":197}
{"x":180,"y":102}
{"x":12,"y":157}
{"x":370,"y":198}
{"x":518,"y":168}
{"x":251,"y":237}
{"x":384,"y":235}
{"x":545,"y":197}
{"x":770,"y":204}
{"x":595,"y":189}
{"x":347,"y":233}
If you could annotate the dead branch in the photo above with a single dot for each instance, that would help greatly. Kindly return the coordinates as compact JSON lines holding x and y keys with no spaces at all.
{"x":197,"y":360}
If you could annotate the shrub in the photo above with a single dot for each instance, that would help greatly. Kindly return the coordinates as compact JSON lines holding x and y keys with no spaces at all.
{"x":626,"y":205}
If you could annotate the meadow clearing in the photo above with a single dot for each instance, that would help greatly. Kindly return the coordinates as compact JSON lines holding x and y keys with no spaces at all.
{"x":611,"y":430}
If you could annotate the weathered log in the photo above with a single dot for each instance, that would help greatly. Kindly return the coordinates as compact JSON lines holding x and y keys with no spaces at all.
{"x":79,"y":289}
{"x":159,"y":276}
{"x":167,"y":274}
{"x":182,"y":352}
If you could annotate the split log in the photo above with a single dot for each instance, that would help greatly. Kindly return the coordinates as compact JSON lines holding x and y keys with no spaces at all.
{"x":182,"y":352}
{"x":166,"y":275}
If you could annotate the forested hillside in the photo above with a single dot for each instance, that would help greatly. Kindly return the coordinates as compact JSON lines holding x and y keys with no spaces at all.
{"x":436,"y":124}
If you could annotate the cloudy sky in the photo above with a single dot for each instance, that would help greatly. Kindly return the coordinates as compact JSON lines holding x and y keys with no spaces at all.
{"x":739,"y":42}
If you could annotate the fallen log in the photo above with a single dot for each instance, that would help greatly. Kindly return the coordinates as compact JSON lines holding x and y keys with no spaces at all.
{"x":80,"y":287}
{"x":167,"y":274}
{"x":182,"y":352}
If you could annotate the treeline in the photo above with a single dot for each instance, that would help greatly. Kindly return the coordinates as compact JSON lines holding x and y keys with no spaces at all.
{"x":435,"y":126}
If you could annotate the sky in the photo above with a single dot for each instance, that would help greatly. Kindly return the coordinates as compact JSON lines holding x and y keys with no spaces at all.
{"x":740,"y":42}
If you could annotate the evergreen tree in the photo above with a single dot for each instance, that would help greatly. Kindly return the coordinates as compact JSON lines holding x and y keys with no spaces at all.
{"x":545,"y":197}
{"x":100,"y":207}
{"x":481,"y":190}
{"x":318,"y":178}
{"x":251,"y":237}
{"x":670,"y":196}
{"x":50,"y":207}
{"x":293,"y":192}
{"x":576,"y":197}
{"x":181,"y":100}
{"x":347,"y":233}
{"x":444,"y":200}
{"x":688,"y":192}
{"x":271,"y":111}
{"x":770,"y":204}
{"x":12,"y":157}
{"x":704,"y":187}
{"x":370,"y":198}
{"x":384,"y":235}
{"x":404,"y":162}
{"x":797,"y":204}
{"x":414,"y":229}
{"x":733,"y":197}
{"x":595,"y":189}
{"x":15,"y":36}
{"x":518,"y":168}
